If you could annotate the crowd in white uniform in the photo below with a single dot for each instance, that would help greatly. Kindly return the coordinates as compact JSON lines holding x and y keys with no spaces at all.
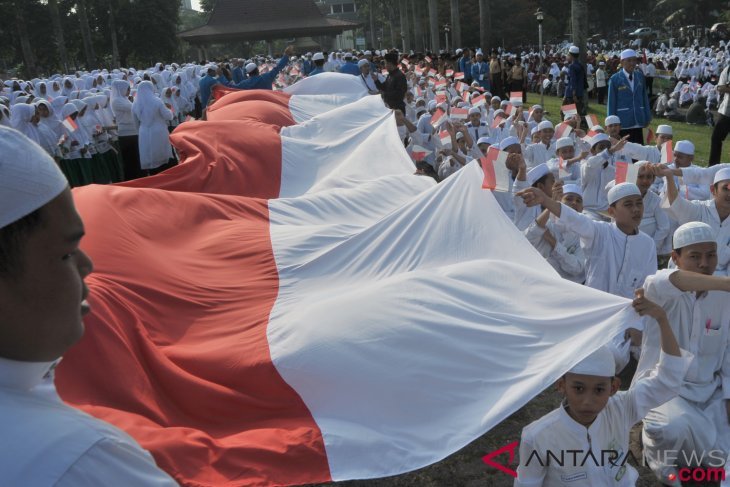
{"x":563,"y":195}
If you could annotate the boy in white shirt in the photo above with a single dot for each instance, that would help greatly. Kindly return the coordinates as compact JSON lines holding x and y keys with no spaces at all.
{"x":590,"y":430}
{"x":698,"y":308}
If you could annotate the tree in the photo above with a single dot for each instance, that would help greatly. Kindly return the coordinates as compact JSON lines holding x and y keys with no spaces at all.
{"x":405,"y":30}
{"x":417,"y":25}
{"x":433,"y":20}
{"x":485,"y":24}
{"x":455,"y":24}
{"x":58,"y":33}
{"x":86,"y":34}
{"x":28,"y":55}
{"x":579,"y":25}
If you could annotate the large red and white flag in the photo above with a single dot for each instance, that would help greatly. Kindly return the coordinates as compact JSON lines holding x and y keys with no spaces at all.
{"x":272,"y":315}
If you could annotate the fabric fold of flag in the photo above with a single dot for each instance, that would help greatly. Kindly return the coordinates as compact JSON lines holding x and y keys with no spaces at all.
{"x":275,"y":316}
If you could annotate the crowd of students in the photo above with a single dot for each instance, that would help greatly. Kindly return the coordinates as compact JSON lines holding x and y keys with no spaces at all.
{"x":603,"y":211}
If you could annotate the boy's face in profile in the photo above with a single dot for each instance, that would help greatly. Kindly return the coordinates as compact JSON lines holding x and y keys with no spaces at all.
{"x":586,"y":395}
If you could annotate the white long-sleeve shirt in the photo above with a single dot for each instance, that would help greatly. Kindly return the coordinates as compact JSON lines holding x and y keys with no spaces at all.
{"x":567,"y":257}
{"x":655,"y":222}
{"x":581,"y":447}
{"x":615,"y":262}
{"x":706,"y":212}
{"x":595,"y":174}
{"x":537,"y":153}
{"x":46,"y":442}
{"x":701,"y":326}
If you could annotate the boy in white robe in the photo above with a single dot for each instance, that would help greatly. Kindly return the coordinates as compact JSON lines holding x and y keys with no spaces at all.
{"x":560,"y":247}
{"x":698,"y":307}
{"x":544,"y":150}
{"x":538,"y":177}
{"x":655,"y":221}
{"x":598,"y":170}
{"x":714,"y":212}
{"x":595,"y":418}
{"x":43,"y":298}
{"x":565,"y":150}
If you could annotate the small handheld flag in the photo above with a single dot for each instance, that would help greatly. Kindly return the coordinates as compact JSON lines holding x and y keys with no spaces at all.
{"x":562,"y":169}
{"x":478,"y":101}
{"x":458,"y":76}
{"x":591,"y":120}
{"x":562,"y":130}
{"x":418,"y":153}
{"x":70,"y":124}
{"x":438,"y":118}
{"x":667,"y":153}
{"x":496,"y":174}
{"x":459,"y":114}
{"x":445,"y":138}
{"x":626,"y":172}
{"x":449,"y":73}
{"x":569,"y":110}
{"x":515,"y":96}
{"x":650,"y":137}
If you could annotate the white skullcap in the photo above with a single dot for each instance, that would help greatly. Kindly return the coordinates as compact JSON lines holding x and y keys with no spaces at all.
{"x":572,"y":188}
{"x":597,"y":128}
{"x":545,"y":124}
{"x":509,"y":141}
{"x":627,"y":53}
{"x":692,"y":233}
{"x":29,"y":178}
{"x":479,"y":52}
{"x":475,"y":111}
{"x":497,"y":112}
{"x":612,"y":120}
{"x":574,"y":50}
{"x":564,"y":142}
{"x":362,"y":63}
{"x":600,"y":363}
{"x":348,"y":55}
{"x":484,"y":140}
{"x":431,"y":105}
{"x":536,"y":173}
{"x":599,"y":138}
{"x":536,"y":107}
{"x":517,"y":103}
{"x":685,"y":147}
{"x":622,"y":190}
{"x":504,"y":103}
{"x":368,"y":53}
{"x":664,"y":130}
{"x":318,"y":56}
{"x":250,"y":67}
{"x":459,"y":135}
{"x":459,"y":51}
{"x":496,"y":98}
{"x":722,"y":175}
{"x":533,"y":131}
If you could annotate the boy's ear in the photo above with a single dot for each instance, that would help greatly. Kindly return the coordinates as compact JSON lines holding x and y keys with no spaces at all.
{"x":612,"y":211}
{"x":560,"y":385}
{"x":615,"y":384}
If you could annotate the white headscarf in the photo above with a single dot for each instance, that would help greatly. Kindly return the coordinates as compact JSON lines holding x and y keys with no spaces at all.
{"x":146,"y":102}
{"x":21,"y":121}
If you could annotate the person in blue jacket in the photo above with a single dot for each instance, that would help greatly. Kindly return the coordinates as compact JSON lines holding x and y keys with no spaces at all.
{"x":307,"y":66}
{"x":465,"y":65}
{"x":350,"y":67}
{"x":480,"y":71}
{"x":257,"y":81}
{"x":238,"y":71}
{"x":206,"y":84}
{"x":575,"y":88}
{"x":628,"y":98}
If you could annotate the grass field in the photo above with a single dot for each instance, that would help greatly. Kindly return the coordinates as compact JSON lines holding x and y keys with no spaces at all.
{"x":699,"y":135}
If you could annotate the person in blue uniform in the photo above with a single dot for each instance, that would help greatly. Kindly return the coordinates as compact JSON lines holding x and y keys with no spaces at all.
{"x":350,"y":67}
{"x":318,"y":60}
{"x":257,"y":81}
{"x":628,"y":98}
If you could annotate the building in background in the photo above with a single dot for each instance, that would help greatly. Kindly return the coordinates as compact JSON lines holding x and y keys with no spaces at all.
{"x":342,"y":10}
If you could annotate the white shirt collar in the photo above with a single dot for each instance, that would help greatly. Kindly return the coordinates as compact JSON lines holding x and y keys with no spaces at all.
{"x":23,"y":375}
